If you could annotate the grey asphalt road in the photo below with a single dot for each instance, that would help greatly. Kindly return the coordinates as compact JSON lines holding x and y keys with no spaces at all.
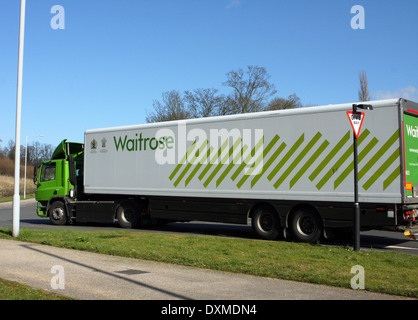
{"x":379,"y":240}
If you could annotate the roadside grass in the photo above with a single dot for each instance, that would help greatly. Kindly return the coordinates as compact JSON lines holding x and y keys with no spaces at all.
{"x":385,"y":272}
{"x":7,"y":186}
{"x":10,"y":198}
{"x":10,"y":290}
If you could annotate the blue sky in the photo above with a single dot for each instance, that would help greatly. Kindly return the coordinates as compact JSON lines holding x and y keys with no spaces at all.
{"x":115,"y":57}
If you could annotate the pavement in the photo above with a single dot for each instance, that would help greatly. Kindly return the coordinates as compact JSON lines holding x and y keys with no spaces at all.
{"x":91,"y":276}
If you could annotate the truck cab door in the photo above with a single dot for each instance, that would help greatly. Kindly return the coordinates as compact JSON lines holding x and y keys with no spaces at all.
{"x":50,"y":181}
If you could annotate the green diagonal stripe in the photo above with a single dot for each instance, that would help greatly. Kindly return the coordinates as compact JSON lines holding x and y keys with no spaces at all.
{"x":378,"y":154}
{"x":183,"y":160}
{"x":230,"y":166}
{"x":268,"y":163}
{"x":195,"y":170}
{"x":223,"y":161}
{"x":247,"y":160}
{"x":341,"y":160}
{"x":212,"y":161}
{"x":263,"y":155}
{"x":381,"y":169}
{"x":259,"y":159}
{"x":298,"y":159}
{"x":350,"y":167}
{"x":291,"y":151}
{"x":329,"y":157}
{"x":307,"y":165}
{"x":180,"y":177}
{"x":396,"y":173}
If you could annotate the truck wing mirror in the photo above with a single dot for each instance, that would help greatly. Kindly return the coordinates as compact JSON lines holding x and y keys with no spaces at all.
{"x":35,"y":174}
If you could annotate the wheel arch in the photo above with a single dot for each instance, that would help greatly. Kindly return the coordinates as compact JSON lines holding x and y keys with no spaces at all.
{"x":128,"y":203}
{"x":259,"y":204}
{"x":57,"y":199}
{"x":306,"y":206}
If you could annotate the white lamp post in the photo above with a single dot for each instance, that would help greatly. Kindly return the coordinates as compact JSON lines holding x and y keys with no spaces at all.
{"x":16,"y":196}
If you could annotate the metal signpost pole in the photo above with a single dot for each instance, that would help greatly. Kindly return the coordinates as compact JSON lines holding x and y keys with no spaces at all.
{"x":356,"y":209}
{"x":356,"y":212}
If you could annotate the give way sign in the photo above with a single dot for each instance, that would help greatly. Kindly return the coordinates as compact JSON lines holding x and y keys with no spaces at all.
{"x":356,"y":120}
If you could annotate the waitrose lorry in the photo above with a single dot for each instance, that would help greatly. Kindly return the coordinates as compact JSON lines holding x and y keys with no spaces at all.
{"x":287,"y":170}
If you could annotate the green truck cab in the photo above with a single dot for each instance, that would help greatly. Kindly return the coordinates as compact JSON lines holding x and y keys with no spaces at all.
{"x":57,"y":179}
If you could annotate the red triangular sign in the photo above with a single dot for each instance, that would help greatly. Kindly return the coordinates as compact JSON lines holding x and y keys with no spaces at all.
{"x":356,"y":120}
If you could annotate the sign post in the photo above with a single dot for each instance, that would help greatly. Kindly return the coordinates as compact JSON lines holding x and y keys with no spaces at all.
{"x":356,"y":121}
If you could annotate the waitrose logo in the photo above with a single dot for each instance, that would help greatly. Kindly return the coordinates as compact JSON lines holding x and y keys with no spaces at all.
{"x":141,"y":143}
{"x":411,"y":131}
{"x":195,"y":146}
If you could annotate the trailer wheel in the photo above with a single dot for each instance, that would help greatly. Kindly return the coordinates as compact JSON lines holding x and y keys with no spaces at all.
{"x":265,"y":223}
{"x":305,"y":225}
{"x":57,"y":213}
{"x":128,"y":214}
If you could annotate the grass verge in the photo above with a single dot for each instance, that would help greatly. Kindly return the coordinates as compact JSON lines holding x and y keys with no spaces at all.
{"x":385,"y":272}
{"x":10,"y":198}
{"x":10,"y":290}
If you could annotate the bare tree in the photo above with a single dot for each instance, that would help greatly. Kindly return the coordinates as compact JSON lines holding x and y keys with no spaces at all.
{"x":363,"y":92}
{"x":10,"y":149}
{"x":291,"y":102}
{"x":171,"y":108}
{"x":249,"y":93}
{"x":203,"y":102}
{"x":38,"y":152}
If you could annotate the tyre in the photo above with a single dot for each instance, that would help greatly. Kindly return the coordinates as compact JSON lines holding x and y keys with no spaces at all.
{"x":128,"y":214}
{"x":265,"y":223}
{"x":57,"y":213}
{"x":305,"y":225}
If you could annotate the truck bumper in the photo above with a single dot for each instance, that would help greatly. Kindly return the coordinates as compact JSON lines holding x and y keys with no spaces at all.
{"x":41,"y":210}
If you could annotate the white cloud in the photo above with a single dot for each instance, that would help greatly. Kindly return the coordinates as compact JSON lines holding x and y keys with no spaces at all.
{"x":234,"y":3}
{"x":408,"y":93}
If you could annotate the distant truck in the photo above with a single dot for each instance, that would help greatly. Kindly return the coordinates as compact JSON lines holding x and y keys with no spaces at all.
{"x":286,"y":171}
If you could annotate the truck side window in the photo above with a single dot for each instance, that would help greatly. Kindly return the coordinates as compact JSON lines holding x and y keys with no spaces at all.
{"x":48,"y":172}
{"x":79,"y":170}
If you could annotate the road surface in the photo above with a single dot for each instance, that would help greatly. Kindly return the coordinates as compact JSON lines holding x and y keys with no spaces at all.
{"x":380,"y":240}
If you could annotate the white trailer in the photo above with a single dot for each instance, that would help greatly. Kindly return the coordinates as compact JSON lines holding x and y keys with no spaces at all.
{"x":282,"y":170}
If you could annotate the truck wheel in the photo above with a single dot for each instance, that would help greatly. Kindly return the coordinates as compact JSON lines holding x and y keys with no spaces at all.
{"x":265,"y":223}
{"x":305,"y":225}
{"x":57,"y":214}
{"x":128,"y":214}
